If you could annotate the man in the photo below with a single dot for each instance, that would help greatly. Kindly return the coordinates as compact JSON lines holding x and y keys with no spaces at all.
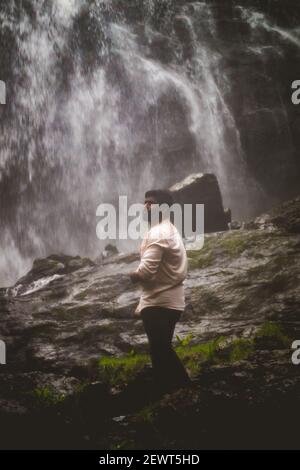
{"x":161,"y":272}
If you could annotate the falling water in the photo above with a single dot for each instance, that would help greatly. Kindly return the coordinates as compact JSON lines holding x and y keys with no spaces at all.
{"x":102,"y":105}
{"x":258,"y":20}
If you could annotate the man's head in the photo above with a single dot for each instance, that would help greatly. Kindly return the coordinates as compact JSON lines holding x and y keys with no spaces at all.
{"x":157,"y":196}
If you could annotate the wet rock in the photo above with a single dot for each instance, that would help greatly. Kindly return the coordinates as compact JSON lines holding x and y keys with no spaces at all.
{"x":185,"y":35}
{"x":287,"y":216}
{"x":160,"y":47}
{"x":235,"y":225}
{"x":55,"y":264}
{"x":239,"y":281}
{"x":109,"y":250}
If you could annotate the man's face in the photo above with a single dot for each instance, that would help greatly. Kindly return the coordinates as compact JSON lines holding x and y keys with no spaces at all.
{"x":148,"y":205}
{"x":149,"y":201}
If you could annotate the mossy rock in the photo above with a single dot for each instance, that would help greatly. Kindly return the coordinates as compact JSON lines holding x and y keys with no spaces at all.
{"x":272,"y":335}
{"x":229,"y":246}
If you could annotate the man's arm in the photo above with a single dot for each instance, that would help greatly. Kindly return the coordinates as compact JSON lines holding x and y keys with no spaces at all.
{"x":150,"y":262}
{"x":135,"y":277}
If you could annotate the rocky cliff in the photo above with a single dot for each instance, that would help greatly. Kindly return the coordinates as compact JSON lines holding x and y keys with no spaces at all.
{"x":78,"y":372}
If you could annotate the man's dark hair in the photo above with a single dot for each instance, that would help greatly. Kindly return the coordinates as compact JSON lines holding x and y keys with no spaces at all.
{"x":161,"y":196}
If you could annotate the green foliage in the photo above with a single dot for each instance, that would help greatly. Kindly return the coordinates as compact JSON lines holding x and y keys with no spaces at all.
{"x":206,"y":349}
{"x":274,"y":330}
{"x":48,"y":397}
{"x":194,"y":355}
{"x":240,"y":349}
{"x":121,"y":370}
{"x":184,"y":341}
{"x":118,"y":370}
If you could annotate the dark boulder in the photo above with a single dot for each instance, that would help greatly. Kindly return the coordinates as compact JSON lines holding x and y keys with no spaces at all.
{"x":204,"y":189}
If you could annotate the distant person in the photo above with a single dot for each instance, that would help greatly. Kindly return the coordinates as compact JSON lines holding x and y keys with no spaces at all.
{"x":162,"y":270}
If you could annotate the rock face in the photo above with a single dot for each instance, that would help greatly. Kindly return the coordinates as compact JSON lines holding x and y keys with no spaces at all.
{"x":242,"y":315}
{"x":203,"y":189}
{"x":287,"y":216}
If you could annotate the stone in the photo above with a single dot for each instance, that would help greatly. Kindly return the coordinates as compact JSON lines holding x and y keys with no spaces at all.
{"x":235,"y":225}
{"x":109,"y":251}
{"x":287,"y":216}
{"x":204,"y":189}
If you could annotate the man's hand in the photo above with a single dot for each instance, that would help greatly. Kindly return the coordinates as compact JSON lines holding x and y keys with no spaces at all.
{"x":135,"y":277}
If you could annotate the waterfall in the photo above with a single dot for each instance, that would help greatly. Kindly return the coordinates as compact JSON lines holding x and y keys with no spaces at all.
{"x":105,"y":99}
{"x":258,"y":20}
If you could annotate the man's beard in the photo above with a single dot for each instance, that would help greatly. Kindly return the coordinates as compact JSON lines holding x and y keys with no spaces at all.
{"x":153,"y":216}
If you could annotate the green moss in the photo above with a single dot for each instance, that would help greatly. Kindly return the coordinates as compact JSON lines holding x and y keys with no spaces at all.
{"x":204,"y":257}
{"x":198,"y":260}
{"x":46,"y":396}
{"x":122,"y":369}
{"x":240,"y":349}
{"x":229,"y":245}
{"x":235,"y":245}
{"x":275,"y":331}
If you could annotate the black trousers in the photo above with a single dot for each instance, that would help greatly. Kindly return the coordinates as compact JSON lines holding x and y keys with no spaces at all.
{"x":169,"y":372}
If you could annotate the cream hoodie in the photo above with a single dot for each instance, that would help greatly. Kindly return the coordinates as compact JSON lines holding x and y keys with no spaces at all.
{"x":163,"y":267}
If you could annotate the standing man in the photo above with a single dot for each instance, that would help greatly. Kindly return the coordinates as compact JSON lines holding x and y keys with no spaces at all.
{"x":162,"y":270}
